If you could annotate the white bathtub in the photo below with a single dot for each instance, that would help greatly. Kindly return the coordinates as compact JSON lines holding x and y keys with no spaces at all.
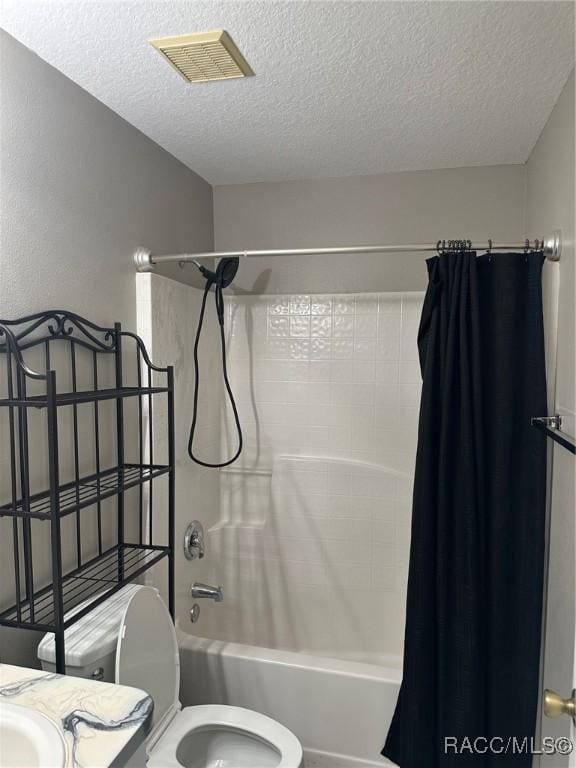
{"x":340,"y":710}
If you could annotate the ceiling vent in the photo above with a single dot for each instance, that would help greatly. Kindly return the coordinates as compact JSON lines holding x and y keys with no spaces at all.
{"x":204,"y":56}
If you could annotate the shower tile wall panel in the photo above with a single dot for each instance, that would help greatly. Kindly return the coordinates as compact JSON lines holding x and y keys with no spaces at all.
{"x":314,"y":555}
{"x":332,"y":374}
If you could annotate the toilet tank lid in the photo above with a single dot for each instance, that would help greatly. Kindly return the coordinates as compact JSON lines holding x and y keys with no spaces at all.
{"x":94,"y":635}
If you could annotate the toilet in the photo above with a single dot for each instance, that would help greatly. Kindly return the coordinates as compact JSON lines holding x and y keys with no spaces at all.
{"x":130,"y":639}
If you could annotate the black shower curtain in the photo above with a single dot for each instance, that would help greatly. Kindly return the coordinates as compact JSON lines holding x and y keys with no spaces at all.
{"x":474,"y":604}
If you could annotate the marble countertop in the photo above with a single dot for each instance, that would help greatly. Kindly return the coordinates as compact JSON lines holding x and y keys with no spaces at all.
{"x":102,"y":724}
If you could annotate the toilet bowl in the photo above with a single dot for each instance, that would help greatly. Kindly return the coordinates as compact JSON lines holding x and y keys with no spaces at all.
{"x":214,"y":736}
{"x":130,"y":639}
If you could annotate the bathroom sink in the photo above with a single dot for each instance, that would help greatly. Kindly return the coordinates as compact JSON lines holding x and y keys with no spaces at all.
{"x":28,"y":739}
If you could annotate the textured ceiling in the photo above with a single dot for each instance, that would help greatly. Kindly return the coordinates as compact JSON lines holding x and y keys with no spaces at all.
{"x":341,"y":88}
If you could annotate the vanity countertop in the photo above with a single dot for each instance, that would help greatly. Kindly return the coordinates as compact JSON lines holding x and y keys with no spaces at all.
{"x":102,"y":724}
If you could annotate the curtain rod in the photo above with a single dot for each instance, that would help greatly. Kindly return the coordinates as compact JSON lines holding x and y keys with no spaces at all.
{"x":145,"y":261}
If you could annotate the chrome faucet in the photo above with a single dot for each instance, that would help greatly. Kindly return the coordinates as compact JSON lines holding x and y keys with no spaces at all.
{"x":205,"y":590}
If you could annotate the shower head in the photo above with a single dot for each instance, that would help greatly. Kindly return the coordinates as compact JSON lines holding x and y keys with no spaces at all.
{"x":226,"y":270}
{"x":224,"y":274}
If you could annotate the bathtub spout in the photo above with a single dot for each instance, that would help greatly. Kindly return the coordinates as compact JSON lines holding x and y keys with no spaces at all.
{"x":205,"y":590}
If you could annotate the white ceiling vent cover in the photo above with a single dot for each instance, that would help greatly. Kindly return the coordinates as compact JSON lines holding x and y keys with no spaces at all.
{"x":204,"y":56}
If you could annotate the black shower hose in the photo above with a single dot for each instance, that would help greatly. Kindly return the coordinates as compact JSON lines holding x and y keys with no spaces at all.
{"x":219,"y":300}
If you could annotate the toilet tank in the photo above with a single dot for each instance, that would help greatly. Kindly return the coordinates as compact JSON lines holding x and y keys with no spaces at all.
{"x":90,"y":644}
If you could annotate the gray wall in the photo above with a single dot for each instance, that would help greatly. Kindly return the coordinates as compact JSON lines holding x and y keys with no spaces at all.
{"x":549,"y":206}
{"x":81,"y":189}
{"x":413,"y":207}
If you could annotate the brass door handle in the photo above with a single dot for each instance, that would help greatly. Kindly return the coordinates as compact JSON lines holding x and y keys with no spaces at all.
{"x":555,"y":705}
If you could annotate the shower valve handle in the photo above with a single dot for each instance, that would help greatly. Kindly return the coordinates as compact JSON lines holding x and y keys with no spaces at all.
{"x":194,"y":541}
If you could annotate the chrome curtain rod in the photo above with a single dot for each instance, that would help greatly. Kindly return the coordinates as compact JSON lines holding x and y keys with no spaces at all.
{"x":145,"y":261}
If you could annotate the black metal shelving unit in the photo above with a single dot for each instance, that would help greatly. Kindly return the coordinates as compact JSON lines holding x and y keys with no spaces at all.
{"x":106,"y":507}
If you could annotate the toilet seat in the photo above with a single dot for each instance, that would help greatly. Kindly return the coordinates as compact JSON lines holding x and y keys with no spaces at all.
{"x":147,"y":658}
{"x":192,"y":720}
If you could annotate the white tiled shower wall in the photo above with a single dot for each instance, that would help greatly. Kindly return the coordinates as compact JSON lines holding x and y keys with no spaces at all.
{"x":312,"y":545}
{"x":338,"y":375}
{"x":309,"y":531}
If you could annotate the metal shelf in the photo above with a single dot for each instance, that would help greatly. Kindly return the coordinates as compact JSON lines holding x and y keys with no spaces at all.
{"x":87,"y":396}
{"x":86,"y":491}
{"x":91,"y":554}
{"x":98,"y":578}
